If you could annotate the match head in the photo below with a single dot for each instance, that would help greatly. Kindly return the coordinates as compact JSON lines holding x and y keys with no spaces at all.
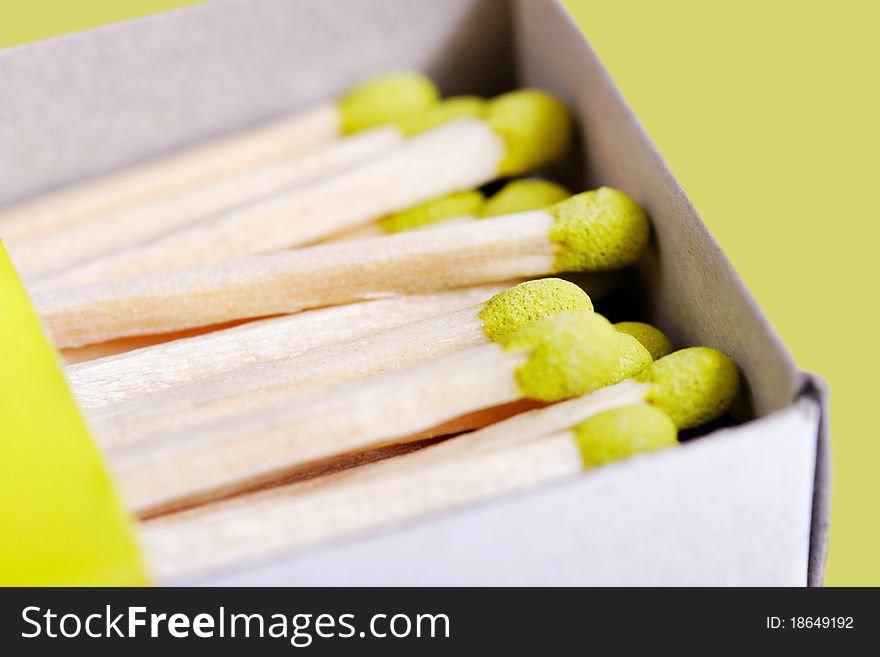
{"x":446,"y":207}
{"x":385,"y":99}
{"x":632,"y":358}
{"x":524,"y":195}
{"x":447,"y":110}
{"x":536,"y":127}
{"x":623,"y":432}
{"x":693,"y":386}
{"x":570,"y":354}
{"x":528,"y":302}
{"x":654,"y":340}
{"x":601,"y":230}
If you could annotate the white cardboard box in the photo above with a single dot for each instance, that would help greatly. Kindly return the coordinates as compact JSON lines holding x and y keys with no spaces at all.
{"x":744,"y":505}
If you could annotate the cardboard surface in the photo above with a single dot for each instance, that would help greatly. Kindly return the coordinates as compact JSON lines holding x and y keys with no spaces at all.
{"x":139,"y":89}
{"x":818,"y":390}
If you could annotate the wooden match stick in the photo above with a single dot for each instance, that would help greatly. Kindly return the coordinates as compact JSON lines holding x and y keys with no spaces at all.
{"x":514,"y":455}
{"x":313,"y":474}
{"x":559,"y":357}
{"x":686,"y":369}
{"x":99,"y":350}
{"x":344,"y":511}
{"x":380,"y":100}
{"x":61,"y":258}
{"x":515,"y":196}
{"x":523,"y":130}
{"x":247,"y":391}
{"x":205,"y":401}
{"x":139,"y":373}
{"x":73,"y":256}
{"x":692,"y":386}
{"x":601,"y":230}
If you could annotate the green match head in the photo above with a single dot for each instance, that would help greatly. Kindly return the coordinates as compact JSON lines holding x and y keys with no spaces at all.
{"x":571,"y":354}
{"x":523,"y":195}
{"x":693,"y":386}
{"x":655,"y":340}
{"x":601,"y":230}
{"x":440,"y":209}
{"x":446,"y":110}
{"x":528,"y":302}
{"x":536,"y":127}
{"x":632,"y":358}
{"x":623,"y":432}
{"x":385,"y":99}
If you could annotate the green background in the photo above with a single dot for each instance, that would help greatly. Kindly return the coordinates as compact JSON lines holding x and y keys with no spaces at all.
{"x":767,"y":112}
{"x":23,"y":21}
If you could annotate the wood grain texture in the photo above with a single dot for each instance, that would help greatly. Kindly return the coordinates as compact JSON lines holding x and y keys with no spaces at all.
{"x":120,"y":379}
{"x":101,"y":350}
{"x":237,"y":152}
{"x":177,"y":549}
{"x":99,"y":248}
{"x":454,"y":157}
{"x":498,"y":249}
{"x":265,"y":385}
{"x":344,"y":418}
{"x":513,"y":455}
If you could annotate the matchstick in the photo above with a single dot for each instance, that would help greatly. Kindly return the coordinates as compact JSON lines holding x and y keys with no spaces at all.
{"x":688,"y":367}
{"x":377,"y":101}
{"x":99,"y":350}
{"x":247,"y":389}
{"x":516,"y":196}
{"x":315,"y":473}
{"x":603,"y":230}
{"x":345,"y":511}
{"x":73,"y":256}
{"x":555,"y":358}
{"x":523,"y":130}
{"x":692,"y":386}
{"x":61,"y":258}
{"x":528,"y":450}
{"x":191,"y":360}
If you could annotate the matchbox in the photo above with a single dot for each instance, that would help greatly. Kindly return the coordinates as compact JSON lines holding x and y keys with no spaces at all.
{"x":744,"y":505}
